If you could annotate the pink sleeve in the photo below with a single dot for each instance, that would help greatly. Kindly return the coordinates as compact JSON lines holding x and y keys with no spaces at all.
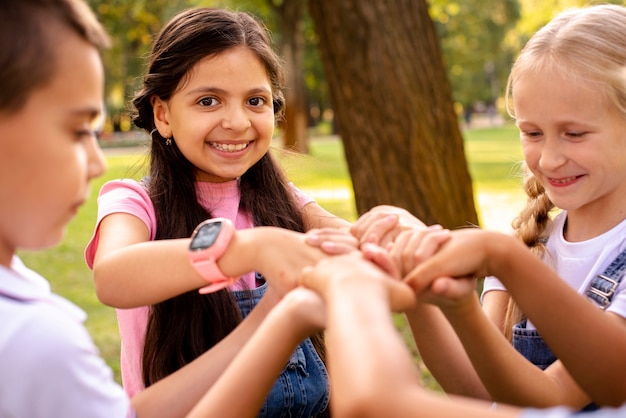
{"x":122,"y":196}
{"x":302,"y":198}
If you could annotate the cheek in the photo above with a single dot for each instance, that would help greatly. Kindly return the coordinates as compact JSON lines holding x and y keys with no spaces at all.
{"x":531,"y":154}
{"x":265,"y":125}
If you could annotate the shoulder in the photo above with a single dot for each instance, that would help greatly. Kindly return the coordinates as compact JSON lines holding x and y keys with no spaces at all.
{"x":50,"y":346}
{"x":126,"y":196}
{"x":124,"y":187}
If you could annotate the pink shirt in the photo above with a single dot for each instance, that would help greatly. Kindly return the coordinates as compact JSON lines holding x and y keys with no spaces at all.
{"x":129,"y":196}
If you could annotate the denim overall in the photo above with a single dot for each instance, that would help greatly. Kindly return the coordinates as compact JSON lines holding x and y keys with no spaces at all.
{"x":601,"y":290}
{"x":302,"y":389}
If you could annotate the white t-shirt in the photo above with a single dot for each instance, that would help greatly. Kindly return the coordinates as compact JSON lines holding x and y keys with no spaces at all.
{"x":562,"y":412}
{"x":579,"y":262}
{"x":49,"y":365}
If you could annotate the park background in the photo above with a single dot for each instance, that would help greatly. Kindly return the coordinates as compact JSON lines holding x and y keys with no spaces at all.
{"x":347,"y":162}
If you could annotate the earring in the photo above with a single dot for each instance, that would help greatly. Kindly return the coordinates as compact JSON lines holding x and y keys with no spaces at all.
{"x":168,"y":141}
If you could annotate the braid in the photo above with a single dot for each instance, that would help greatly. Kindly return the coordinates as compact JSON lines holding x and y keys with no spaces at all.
{"x":532,"y":227}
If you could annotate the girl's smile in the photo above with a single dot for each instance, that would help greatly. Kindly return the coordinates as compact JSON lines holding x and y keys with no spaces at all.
{"x":221,"y":116}
{"x":572,"y":140}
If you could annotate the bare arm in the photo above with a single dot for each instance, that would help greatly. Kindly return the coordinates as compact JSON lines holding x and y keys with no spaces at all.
{"x":379,"y":378}
{"x":177,"y":394}
{"x":266,"y":354}
{"x":316,"y":217}
{"x":443,"y":353}
{"x":535,"y":286}
{"x":130,"y":270}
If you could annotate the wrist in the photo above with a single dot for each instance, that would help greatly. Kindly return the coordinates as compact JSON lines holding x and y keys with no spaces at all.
{"x":502,"y":251}
{"x":209,"y":241}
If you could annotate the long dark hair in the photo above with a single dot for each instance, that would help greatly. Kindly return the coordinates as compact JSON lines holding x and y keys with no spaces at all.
{"x":182,"y":328}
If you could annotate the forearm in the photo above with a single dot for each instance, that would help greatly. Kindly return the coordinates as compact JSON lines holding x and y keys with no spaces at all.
{"x":255,"y":369}
{"x":442,"y":352}
{"x":145,"y":273}
{"x":368,"y":360}
{"x":149,"y":272}
{"x":178,"y":393}
{"x":505,"y":373}
{"x":535,"y":286}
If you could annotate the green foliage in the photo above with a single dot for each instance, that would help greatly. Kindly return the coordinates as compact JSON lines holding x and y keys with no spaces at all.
{"x":471,"y":34}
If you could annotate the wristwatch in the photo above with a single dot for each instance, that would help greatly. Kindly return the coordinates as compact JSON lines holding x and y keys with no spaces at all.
{"x":209,"y":242}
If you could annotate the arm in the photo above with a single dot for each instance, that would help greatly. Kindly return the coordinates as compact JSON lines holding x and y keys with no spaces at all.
{"x":380,"y":378}
{"x":535,"y":286}
{"x":443,"y":353}
{"x":467,"y":333}
{"x":153,"y":271}
{"x":266,"y":353}
{"x":176,"y":395}
{"x":317,"y":217}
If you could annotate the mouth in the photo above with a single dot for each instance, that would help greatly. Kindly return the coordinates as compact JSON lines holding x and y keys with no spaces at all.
{"x":563,"y":181}
{"x":229,"y":147}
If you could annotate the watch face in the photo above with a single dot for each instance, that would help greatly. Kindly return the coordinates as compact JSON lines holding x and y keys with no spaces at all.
{"x":205,"y":236}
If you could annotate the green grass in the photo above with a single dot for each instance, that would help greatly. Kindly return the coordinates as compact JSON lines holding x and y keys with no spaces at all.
{"x":492,"y":154}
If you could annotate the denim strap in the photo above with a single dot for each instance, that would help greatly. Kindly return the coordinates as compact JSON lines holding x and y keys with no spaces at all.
{"x":603,"y":286}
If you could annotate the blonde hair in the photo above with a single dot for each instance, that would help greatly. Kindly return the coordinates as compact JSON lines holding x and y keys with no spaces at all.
{"x":588,"y":45}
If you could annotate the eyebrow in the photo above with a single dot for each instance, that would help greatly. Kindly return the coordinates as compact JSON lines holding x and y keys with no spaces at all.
{"x":89,"y":111}
{"x":197,"y":90}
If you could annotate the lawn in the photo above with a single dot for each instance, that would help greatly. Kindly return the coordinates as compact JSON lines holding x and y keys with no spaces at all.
{"x":492,"y":155}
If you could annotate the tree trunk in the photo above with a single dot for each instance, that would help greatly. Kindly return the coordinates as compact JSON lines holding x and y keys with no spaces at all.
{"x":290,"y":18}
{"x":394,"y":108}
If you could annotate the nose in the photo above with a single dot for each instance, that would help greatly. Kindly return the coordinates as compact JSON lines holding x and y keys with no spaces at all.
{"x":96,"y":163}
{"x":236,"y":119}
{"x":552,"y":153}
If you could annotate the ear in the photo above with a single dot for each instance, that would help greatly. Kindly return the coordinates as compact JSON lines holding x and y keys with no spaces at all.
{"x":160,"y":112}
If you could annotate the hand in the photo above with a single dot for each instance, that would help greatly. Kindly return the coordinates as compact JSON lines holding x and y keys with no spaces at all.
{"x":414,"y":246}
{"x":465,"y":255}
{"x":305,"y":308}
{"x":332,"y":241}
{"x":382,"y":224}
{"x":347,"y":275}
{"x":281,"y":255}
{"x":449,"y":293}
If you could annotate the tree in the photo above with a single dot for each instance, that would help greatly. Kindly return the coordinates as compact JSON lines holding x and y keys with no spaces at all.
{"x":394,"y":108}
{"x":132,"y":26}
{"x":290,"y":19}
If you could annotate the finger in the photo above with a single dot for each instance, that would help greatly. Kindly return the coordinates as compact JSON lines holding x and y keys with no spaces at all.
{"x":335,"y":248}
{"x":453,"y":288}
{"x":382,"y":259}
{"x":379,"y":229}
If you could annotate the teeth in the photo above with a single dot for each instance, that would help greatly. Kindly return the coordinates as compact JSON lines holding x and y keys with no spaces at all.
{"x":229,"y":147}
{"x":567,"y":180}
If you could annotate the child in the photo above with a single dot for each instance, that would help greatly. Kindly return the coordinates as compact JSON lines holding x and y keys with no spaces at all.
{"x":380,"y":378}
{"x":569,"y":100}
{"x":210,"y":99}
{"x":51,"y":92}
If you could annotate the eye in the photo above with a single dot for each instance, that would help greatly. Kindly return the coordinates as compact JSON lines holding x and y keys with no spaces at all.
{"x":575,"y":134}
{"x":208,"y":101}
{"x":257,"y":101}
{"x":530,"y":134}
{"x":87,"y":134}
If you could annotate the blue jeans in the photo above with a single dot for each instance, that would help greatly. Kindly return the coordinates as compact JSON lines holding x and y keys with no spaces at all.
{"x":531,"y":345}
{"x":302,"y":388}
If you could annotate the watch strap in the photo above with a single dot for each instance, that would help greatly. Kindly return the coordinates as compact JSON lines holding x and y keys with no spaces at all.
{"x":212,"y":273}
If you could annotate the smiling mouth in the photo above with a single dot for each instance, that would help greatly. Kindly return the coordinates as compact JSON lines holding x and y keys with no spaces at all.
{"x":564,"y":181}
{"x":229,"y":147}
